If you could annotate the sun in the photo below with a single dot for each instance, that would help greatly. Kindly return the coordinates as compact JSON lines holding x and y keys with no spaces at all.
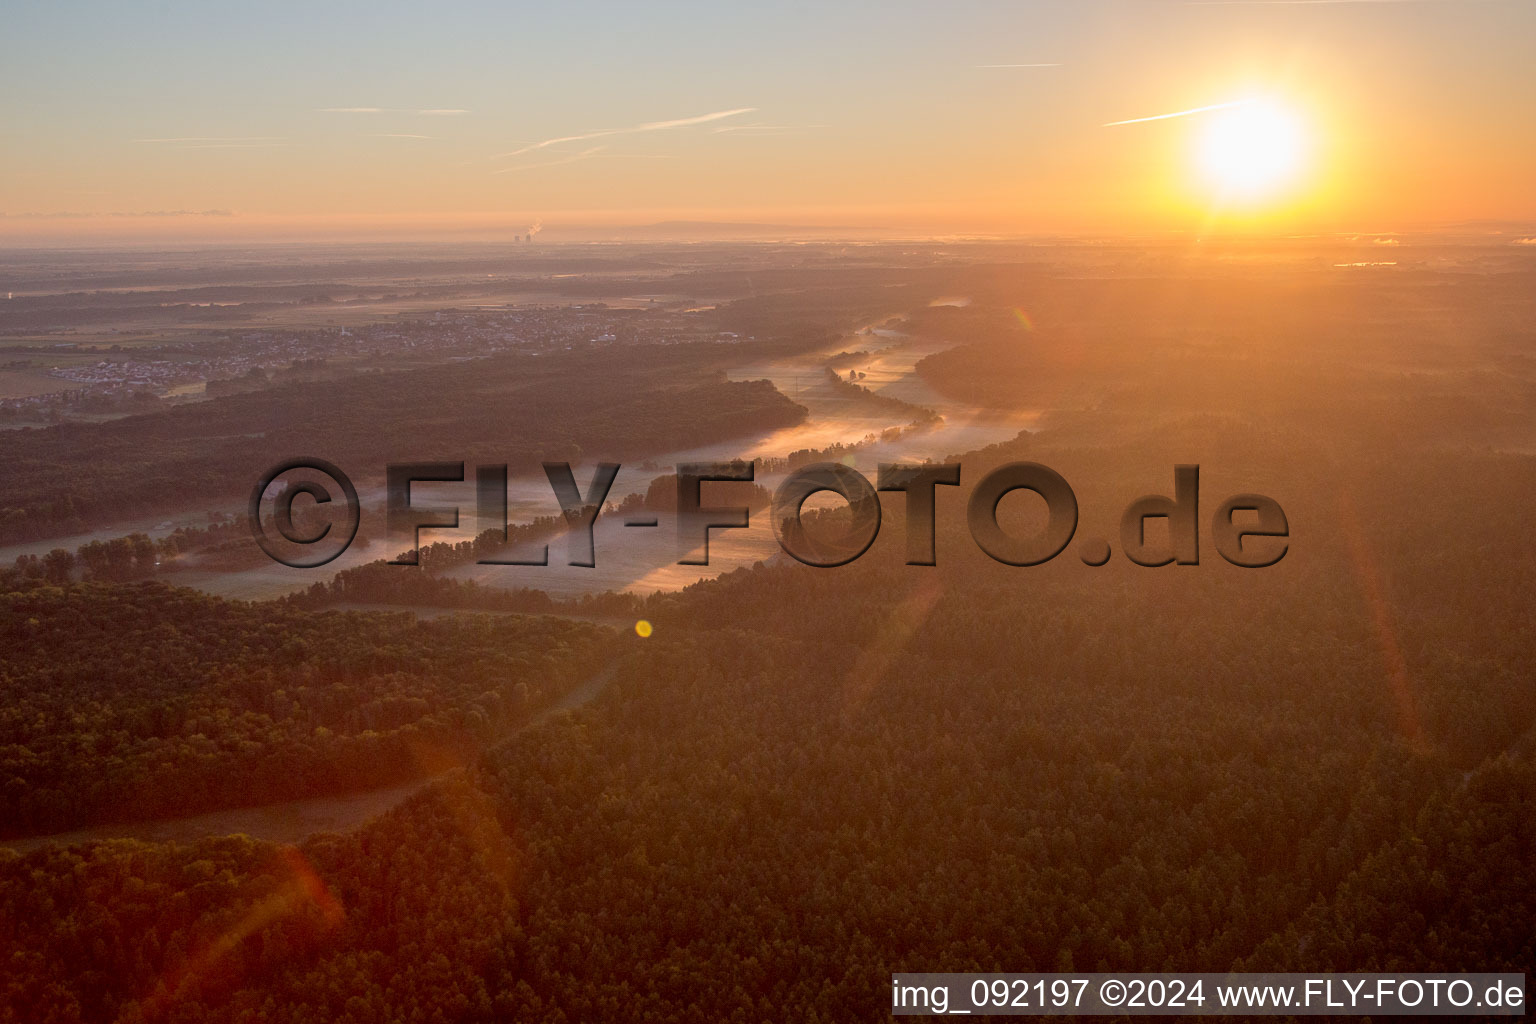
{"x":1252,"y":150}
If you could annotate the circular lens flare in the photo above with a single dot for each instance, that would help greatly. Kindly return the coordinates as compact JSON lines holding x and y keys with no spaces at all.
{"x":1251,"y":151}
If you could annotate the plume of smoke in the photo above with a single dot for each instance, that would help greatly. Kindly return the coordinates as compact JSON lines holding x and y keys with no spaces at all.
{"x":535,"y":228}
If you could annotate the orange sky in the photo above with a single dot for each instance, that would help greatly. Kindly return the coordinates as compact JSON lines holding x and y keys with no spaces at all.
{"x":385,"y":119}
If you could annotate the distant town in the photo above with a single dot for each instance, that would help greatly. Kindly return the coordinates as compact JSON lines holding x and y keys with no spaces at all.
{"x":126,"y":377}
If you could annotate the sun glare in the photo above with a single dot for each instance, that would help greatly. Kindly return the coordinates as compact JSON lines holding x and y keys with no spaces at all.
{"x":1252,"y":151}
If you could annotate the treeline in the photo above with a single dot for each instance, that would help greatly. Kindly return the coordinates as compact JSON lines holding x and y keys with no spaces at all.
{"x":225,"y":543}
{"x":132,"y":556}
{"x":423,"y":585}
{"x":849,"y":387}
{"x":379,"y":583}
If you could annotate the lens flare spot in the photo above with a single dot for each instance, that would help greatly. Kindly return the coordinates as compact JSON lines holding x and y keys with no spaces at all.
{"x":643,"y":628}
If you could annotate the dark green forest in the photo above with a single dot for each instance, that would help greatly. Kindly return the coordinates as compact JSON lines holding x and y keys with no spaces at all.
{"x":136,"y":701}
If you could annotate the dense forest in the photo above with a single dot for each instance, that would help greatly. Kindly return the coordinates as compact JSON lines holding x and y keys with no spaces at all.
{"x":121,"y":702}
{"x":805,"y":779}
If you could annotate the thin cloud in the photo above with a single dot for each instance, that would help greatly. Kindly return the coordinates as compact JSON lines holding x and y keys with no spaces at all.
{"x":764,"y":129}
{"x":398,"y":135}
{"x":593,"y":153}
{"x":585,"y":154}
{"x":683,"y":122}
{"x":1178,"y":113}
{"x":647,"y":126}
{"x":561,"y":141}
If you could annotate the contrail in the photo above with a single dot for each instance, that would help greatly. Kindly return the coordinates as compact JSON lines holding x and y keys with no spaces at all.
{"x":648,"y":126}
{"x":683,"y":122}
{"x":1179,"y":113}
{"x":1019,"y":65}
